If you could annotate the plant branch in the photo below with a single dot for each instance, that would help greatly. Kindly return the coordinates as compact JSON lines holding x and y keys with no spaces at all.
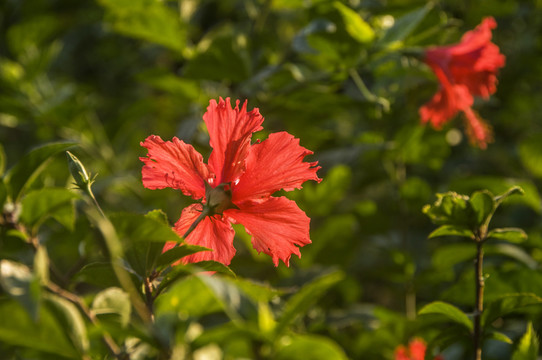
{"x":479,"y":301}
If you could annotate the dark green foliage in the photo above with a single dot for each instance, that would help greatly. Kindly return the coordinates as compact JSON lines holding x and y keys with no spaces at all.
{"x":345,"y":77}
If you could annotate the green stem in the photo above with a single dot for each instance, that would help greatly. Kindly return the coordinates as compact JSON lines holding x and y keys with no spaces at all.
{"x":366,"y":92}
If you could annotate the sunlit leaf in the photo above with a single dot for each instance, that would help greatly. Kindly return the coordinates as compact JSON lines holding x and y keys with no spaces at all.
{"x":354,"y":23}
{"x":148,"y":20}
{"x":497,"y":335}
{"x":309,"y":347}
{"x":528,"y":345}
{"x":29,"y":167}
{"x":448,"y":313}
{"x":19,"y":282}
{"x":113,"y":301}
{"x":452,"y":230}
{"x":513,"y":235}
{"x":71,"y":320}
{"x":140,"y":228}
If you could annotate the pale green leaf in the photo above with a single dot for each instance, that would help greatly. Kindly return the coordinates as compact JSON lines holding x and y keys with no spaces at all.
{"x":448,"y":312}
{"x":355,"y":25}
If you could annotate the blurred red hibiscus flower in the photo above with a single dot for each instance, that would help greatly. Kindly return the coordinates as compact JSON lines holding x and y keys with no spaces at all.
{"x":415,"y":351}
{"x":235,"y":185}
{"x":464,"y":70}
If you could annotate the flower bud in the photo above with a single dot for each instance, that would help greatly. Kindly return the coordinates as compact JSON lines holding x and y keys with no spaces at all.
{"x":78,"y":172}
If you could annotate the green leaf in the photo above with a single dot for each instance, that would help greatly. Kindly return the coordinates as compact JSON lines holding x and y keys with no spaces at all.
{"x":143,"y":238}
{"x":221,"y":55}
{"x":189,"y":297}
{"x":312,"y":347}
{"x":211,"y":265}
{"x":513,"y":252}
{"x":450,"y":209}
{"x":355,"y":25}
{"x":448,"y":312}
{"x":530,"y":152}
{"x":513,"y":235}
{"x":19,"y":282}
{"x":405,"y":25}
{"x":452,"y":230}
{"x":507,"y":304}
{"x":29,"y":167}
{"x":499,"y":185}
{"x":147,"y":20}
{"x":71,"y":319}
{"x":483,"y":205}
{"x":140,"y":228}
{"x":176,"y":253}
{"x":303,"y":299}
{"x":40,"y":204}
{"x":41,"y":265}
{"x":113,"y":301}
{"x":46,"y":335}
{"x":446,"y":256}
{"x":3,"y":193}
{"x":499,"y":336}
{"x":514,"y":190}
{"x":528,"y":345}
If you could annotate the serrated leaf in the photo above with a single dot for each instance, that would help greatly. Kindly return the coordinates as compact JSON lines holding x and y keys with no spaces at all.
{"x":450,"y":209}
{"x":147,"y":20}
{"x":528,"y":345}
{"x":73,"y":324}
{"x":452,"y":230}
{"x":47,"y":335}
{"x":29,"y":167}
{"x":358,"y":29}
{"x":113,"y":301}
{"x":177,"y":253}
{"x":449,"y":312}
{"x":513,"y":235}
{"x":40,"y":204}
{"x":405,"y":25}
{"x":303,"y":299}
{"x":312,"y":347}
{"x":507,"y":304}
{"x":483,"y":205}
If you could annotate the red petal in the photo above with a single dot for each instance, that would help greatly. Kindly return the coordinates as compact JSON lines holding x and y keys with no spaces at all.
{"x":401,"y":353}
{"x":478,"y":131}
{"x":445,"y":104}
{"x":276,"y":163}
{"x":417,"y":349}
{"x":174,"y":164}
{"x":230,"y":131}
{"x":212,"y":232}
{"x":278,"y":226}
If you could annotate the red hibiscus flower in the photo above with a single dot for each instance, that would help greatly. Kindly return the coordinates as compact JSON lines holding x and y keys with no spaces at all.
{"x":464,"y":70}
{"x":235,"y":185}
{"x":415,"y":351}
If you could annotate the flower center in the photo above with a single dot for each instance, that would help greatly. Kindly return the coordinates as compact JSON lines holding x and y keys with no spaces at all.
{"x":218,"y":199}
